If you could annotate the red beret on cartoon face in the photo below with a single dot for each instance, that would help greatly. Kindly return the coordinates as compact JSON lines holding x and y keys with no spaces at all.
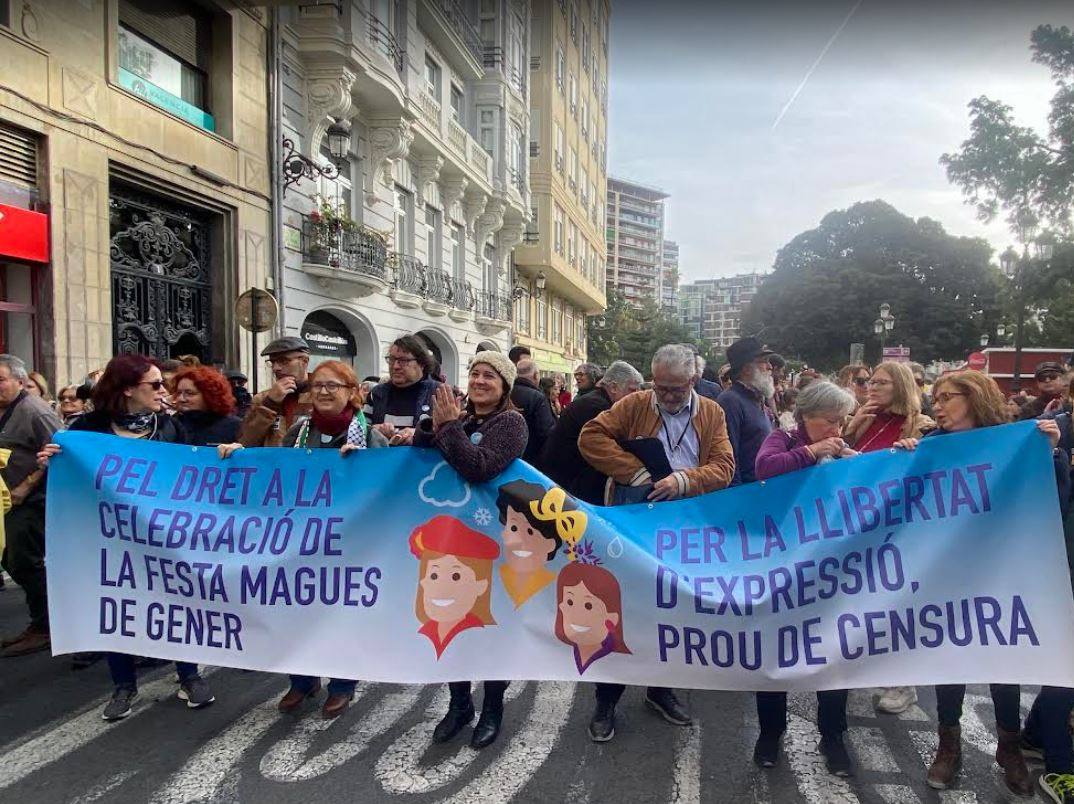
{"x":447,"y":535}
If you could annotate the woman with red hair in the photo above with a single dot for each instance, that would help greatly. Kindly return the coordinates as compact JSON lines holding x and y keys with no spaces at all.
{"x":204,"y":404}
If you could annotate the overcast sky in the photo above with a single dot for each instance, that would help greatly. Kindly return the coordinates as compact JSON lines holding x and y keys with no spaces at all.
{"x":697,"y":88}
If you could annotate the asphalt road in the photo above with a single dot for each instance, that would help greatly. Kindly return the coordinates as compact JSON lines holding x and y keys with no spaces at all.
{"x":55,"y":749}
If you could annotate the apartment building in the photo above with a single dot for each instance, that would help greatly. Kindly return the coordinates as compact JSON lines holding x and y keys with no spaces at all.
{"x":635,"y":234}
{"x":669,"y":291}
{"x":711,"y":309}
{"x":560,"y":265}
{"x":414,"y":115}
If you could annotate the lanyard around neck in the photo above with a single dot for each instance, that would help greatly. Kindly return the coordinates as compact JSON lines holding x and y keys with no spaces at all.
{"x":667,"y":433}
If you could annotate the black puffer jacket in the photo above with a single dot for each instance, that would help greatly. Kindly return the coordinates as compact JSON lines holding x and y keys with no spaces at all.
{"x":207,"y":429}
{"x":537,"y":411}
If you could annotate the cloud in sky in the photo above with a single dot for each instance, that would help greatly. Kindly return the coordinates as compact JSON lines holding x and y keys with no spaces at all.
{"x":696,"y":87}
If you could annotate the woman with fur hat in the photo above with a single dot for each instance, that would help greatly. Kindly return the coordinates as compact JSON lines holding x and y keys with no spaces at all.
{"x":479,"y":440}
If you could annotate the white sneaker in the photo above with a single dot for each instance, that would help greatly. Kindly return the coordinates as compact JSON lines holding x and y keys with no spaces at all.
{"x":893,"y":700}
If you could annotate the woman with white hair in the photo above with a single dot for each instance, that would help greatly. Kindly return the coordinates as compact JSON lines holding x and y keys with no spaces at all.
{"x":821,"y":410}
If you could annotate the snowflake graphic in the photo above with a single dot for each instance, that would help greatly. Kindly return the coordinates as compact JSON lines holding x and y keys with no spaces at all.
{"x":483,"y":517}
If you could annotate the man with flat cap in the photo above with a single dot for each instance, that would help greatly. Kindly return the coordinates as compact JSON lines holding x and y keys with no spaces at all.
{"x":749,"y":420}
{"x":272,"y":412}
{"x":1051,"y":377}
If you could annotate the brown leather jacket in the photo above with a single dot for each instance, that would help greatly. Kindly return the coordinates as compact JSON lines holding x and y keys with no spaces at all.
{"x":636,"y":416}
{"x":267,"y":422}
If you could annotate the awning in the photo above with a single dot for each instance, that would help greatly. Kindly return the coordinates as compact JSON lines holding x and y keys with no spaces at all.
{"x":23,"y":234}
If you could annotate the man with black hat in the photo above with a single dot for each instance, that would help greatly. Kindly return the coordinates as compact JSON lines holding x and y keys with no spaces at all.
{"x":745,"y":405}
{"x":272,"y":412}
{"x":1051,"y":377}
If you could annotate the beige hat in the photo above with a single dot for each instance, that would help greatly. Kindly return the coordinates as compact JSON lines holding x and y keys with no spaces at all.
{"x":501,"y":364}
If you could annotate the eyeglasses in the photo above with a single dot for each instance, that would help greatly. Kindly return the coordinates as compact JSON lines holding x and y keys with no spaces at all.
{"x":330,"y":387}
{"x":399,"y":361}
{"x":861,"y":382}
{"x":68,"y":399}
{"x":672,"y":390}
{"x":876,"y":383}
{"x":1047,"y":377}
{"x":188,"y":392}
{"x":947,"y":396}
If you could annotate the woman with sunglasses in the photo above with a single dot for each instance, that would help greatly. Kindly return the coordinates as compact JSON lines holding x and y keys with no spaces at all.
{"x":336,"y":422}
{"x":855,"y":378}
{"x":204,"y":403}
{"x":128,"y":402}
{"x":967,"y":400}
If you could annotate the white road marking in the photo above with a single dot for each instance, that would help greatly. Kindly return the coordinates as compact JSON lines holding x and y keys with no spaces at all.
{"x":399,"y":769}
{"x":292,"y":765}
{"x":896,"y":794}
{"x":527,"y":751}
{"x":97,"y":792}
{"x":871,"y":749}
{"x":203,"y":775}
{"x":686,"y":776}
{"x":59,"y":739}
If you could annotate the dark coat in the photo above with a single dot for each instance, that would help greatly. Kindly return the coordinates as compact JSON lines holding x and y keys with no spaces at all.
{"x":168,"y":430}
{"x":563,"y":462}
{"x":537,"y":411}
{"x":478,"y":458}
{"x":207,"y":429}
{"x":377,"y":406}
{"x":708,"y":389}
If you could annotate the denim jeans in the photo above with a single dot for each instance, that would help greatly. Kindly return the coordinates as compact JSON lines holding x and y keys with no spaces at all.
{"x":336,"y":686}
{"x":121,"y":666}
{"x":1048,"y":726}
{"x":831,"y":713}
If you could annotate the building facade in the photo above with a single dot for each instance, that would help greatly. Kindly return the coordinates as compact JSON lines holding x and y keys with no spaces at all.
{"x":560,"y":265}
{"x":635,"y":233}
{"x":134,"y":179}
{"x":412,"y":226}
{"x":669,"y":290}
{"x":711,"y":309}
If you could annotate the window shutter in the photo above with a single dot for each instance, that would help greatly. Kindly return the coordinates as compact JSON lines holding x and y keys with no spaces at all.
{"x":180,"y":28}
{"x":18,"y":156}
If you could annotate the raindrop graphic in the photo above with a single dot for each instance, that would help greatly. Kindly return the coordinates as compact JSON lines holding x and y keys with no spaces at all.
{"x":615,"y":547}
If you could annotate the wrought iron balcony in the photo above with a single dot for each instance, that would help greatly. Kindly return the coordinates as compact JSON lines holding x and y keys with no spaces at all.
{"x":491,"y":56}
{"x":343,"y":245}
{"x":518,"y":80}
{"x":457,"y":18}
{"x":409,"y":274}
{"x":384,"y":40}
{"x":517,"y":180}
{"x":437,"y":284}
{"x":462,"y":295}
{"x":494,"y":306}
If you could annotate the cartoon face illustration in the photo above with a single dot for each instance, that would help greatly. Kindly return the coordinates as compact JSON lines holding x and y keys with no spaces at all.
{"x":454,"y":579}
{"x":450,"y":587}
{"x":536,"y":521}
{"x":589,"y":613}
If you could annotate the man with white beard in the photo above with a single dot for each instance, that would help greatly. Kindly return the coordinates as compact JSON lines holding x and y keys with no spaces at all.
{"x":748,"y":419}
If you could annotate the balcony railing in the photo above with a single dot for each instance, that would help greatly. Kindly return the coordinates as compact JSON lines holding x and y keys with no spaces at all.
{"x":384,"y":40}
{"x":409,"y":274}
{"x":457,"y":137}
{"x":456,"y":16}
{"x":517,"y":180}
{"x":518,"y":80}
{"x":494,"y":306}
{"x":492,"y":56}
{"x":344,"y":246}
{"x":437,"y":284}
{"x":462,"y":295}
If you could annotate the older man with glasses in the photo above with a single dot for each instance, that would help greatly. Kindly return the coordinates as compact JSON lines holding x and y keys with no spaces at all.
{"x":273,"y":412}
{"x":745,"y":403}
{"x":656,"y":445}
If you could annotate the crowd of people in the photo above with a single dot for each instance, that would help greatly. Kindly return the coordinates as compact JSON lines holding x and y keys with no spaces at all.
{"x":683,"y":430}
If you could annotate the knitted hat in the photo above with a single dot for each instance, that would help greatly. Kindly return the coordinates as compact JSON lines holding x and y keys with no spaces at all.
{"x":499,"y":363}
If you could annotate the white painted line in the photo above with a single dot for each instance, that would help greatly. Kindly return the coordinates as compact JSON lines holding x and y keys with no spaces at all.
{"x":896,"y":794}
{"x":816,"y":785}
{"x":527,"y":750}
{"x":98,"y":792}
{"x":64,"y":736}
{"x":871,"y":749}
{"x":686,"y":776}
{"x":288,"y":760}
{"x":203,"y":775}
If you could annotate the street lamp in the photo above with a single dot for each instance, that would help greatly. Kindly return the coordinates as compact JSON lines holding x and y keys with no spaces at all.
{"x":984,"y":340}
{"x":883,"y":325}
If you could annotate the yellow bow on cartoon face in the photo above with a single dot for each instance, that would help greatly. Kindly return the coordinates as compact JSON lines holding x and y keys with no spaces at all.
{"x":570,"y":525}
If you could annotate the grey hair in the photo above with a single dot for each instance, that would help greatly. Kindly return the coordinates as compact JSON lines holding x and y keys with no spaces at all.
{"x":590,"y":369}
{"x":620,"y":374}
{"x":700,"y":363}
{"x":677,"y":357}
{"x":527,"y":368}
{"x":821,"y":397}
{"x":15,"y":366}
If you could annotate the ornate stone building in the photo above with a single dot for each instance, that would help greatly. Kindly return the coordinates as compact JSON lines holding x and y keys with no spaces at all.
{"x":406,"y":125}
{"x":134,"y":178}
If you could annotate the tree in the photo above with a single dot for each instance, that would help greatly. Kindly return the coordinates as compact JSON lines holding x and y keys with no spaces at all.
{"x":633,"y":333}
{"x":828,"y":283}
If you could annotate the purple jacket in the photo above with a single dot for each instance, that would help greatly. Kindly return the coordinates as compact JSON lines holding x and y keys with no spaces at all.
{"x":783,"y":452}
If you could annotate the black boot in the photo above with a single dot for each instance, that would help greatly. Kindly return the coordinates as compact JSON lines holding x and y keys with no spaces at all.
{"x":488,"y":725}
{"x":459,"y":714}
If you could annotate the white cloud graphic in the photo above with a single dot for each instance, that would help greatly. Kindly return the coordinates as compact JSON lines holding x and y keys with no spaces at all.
{"x":442,"y":503}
